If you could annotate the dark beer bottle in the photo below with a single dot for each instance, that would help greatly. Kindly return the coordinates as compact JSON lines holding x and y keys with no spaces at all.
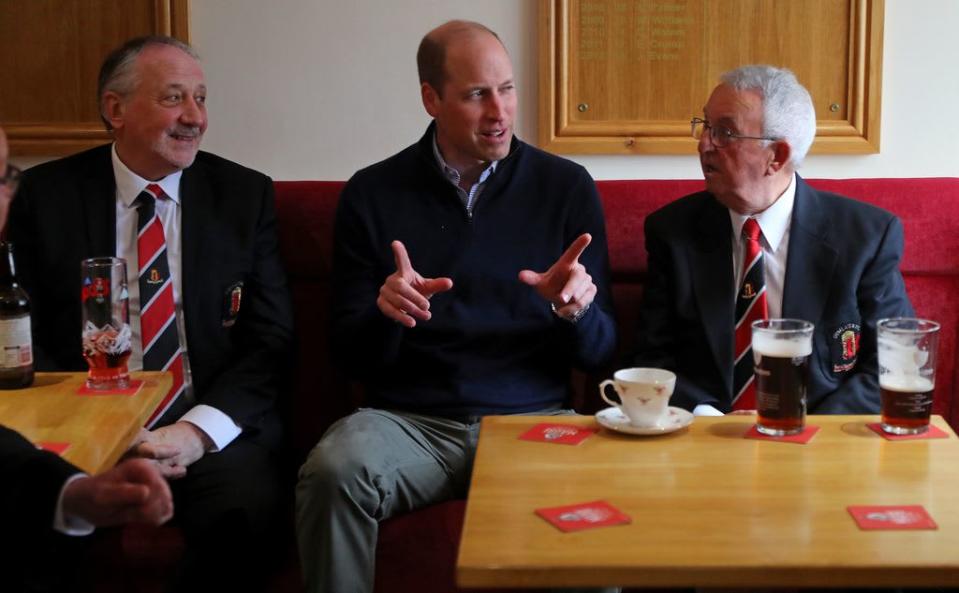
{"x":16,"y":347}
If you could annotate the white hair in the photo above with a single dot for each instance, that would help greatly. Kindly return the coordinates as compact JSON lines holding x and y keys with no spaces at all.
{"x":788,"y":112}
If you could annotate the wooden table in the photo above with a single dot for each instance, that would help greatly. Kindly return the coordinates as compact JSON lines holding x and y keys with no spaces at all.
{"x":710,"y":508}
{"x":98,"y":427}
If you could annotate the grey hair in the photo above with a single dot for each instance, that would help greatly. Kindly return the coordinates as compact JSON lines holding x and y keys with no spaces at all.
{"x":117,"y":74}
{"x":788,"y":111}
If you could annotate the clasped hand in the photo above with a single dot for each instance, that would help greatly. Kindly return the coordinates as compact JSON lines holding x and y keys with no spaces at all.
{"x":405,"y":295}
{"x":172,"y":448}
{"x":132,"y":492}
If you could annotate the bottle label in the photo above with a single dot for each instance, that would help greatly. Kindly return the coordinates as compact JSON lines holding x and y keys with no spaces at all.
{"x":15,"y":345}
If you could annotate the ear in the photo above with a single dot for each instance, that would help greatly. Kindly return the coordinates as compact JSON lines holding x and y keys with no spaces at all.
{"x":431,"y":99}
{"x":111,"y":105}
{"x":781,"y":153}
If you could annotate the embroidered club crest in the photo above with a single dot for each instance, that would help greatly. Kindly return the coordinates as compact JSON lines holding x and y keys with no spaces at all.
{"x":850,"y":344}
{"x":232,"y":300}
{"x":844,"y":347}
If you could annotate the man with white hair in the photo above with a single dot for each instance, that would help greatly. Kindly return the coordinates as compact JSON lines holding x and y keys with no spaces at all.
{"x":812,"y":255}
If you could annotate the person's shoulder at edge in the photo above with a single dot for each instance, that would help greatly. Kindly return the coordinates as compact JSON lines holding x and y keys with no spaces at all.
{"x":682,"y":208}
{"x":842,"y":208}
{"x":387,"y":172}
{"x":82,"y":163}
{"x":217,"y":165}
{"x":538,"y":159}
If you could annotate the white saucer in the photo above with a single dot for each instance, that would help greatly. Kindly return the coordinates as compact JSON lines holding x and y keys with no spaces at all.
{"x":614,"y":419}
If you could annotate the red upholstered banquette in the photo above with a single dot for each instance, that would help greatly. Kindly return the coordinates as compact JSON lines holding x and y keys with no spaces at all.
{"x":417,"y":552}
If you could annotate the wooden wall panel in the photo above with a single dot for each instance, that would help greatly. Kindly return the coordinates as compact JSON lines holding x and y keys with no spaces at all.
{"x":625,"y":76}
{"x":50,"y":54}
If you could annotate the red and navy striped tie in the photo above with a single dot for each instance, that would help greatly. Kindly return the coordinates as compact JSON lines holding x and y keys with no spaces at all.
{"x":158,"y":331}
{"x":750,"y":306}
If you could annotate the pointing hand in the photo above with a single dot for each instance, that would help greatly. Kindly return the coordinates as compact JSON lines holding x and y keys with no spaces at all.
{"x":405,"y":295}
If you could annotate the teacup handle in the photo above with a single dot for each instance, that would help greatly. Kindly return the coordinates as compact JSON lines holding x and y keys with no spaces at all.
{"x":602,"y":392}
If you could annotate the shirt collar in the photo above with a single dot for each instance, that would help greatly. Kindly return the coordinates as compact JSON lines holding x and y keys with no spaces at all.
{"x":130,"y":185}
{"x":773,"y":221}
{"x":452,"y":174}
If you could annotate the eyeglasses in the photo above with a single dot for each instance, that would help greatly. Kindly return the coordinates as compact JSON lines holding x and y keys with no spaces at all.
{"x":11,"y":178}
{"x":720,"y":137}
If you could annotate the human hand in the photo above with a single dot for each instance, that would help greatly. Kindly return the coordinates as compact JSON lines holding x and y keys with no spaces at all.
{"x":134,"y":491}
{"x":405,"y":295}
{"x":173,"y":448}
{"x":565,"y":284}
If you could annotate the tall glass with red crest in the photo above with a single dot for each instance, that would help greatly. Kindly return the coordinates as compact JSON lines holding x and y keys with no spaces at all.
{"x":106,"y":322}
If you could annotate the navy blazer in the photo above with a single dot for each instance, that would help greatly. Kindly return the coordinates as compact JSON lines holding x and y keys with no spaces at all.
{"x":32,"y":480}
{"x":842,"y":274}
{"x":65,"y":212}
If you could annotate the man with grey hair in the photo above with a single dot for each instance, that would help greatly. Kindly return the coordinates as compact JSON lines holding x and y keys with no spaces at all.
{"x":812,"y":255}
{"x":208,"y":298}
{"x":45,"y":497}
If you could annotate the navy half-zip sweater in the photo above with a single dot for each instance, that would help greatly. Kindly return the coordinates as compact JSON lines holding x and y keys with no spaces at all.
{"x":493,"y":346}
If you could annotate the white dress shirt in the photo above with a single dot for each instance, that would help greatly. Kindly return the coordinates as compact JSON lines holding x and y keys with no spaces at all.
{"x":68,"y":524}
{"x":774,"y":223}
{"x":218,"y":426}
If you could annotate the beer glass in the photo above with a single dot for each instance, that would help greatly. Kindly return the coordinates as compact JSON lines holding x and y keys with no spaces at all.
{"x":781,"y":351}
{"x":907,"y":372}
{"x":106,"y":322}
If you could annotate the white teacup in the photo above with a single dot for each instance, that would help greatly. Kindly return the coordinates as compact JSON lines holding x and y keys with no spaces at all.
{"x":643,"y":393}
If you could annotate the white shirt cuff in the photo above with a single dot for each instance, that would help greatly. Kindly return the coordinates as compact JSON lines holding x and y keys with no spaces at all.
{"x":70,"y":525}
{"x":706,"y":410}
{"x":218,"y":426}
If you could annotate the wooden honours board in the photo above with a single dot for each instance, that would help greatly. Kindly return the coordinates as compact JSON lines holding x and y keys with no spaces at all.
{"x":626,"y":76}
{"x":50,"y":55}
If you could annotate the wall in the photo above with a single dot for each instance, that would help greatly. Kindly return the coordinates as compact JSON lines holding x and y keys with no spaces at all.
{"x":315,"y":89}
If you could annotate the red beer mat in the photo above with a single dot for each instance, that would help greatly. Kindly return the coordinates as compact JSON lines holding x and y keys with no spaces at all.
{"x":563,"y":434}
{"x":585,"y":515}
{"x":135,"y":385}
{"x":932,"y":433}
{"x":800,"y":437}
{"x":872,"y":517}
{"x":58,"y":448}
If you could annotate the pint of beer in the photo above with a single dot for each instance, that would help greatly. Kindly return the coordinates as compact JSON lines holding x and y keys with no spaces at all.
{"x":907,"y":372}
{"x":781,"y":350}
{"x":106,"y":322}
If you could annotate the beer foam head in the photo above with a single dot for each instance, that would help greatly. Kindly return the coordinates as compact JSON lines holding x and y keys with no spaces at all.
{"x":900,"y":355}
{"x":905,"y":383}
{"x":769,"y":345}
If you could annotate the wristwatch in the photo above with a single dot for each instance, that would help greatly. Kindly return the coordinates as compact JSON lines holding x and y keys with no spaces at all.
{"x":575,"y":317}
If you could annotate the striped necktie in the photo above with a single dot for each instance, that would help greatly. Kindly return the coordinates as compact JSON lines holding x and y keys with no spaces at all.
{"x":158,"y":331}
{"x":750,"y":306}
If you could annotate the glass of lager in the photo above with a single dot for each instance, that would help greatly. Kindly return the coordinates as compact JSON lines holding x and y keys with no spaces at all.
{"x":907,"y":372}
{"x":781,"y":350}
{"x":106,"y":322}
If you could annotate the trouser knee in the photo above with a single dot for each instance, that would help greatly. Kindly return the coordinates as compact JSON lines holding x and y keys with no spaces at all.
{"x":329,"y":475}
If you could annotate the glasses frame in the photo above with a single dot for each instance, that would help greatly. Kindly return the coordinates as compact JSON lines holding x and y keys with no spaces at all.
{"x":11,"y":178}
{"x":720,"y":137}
